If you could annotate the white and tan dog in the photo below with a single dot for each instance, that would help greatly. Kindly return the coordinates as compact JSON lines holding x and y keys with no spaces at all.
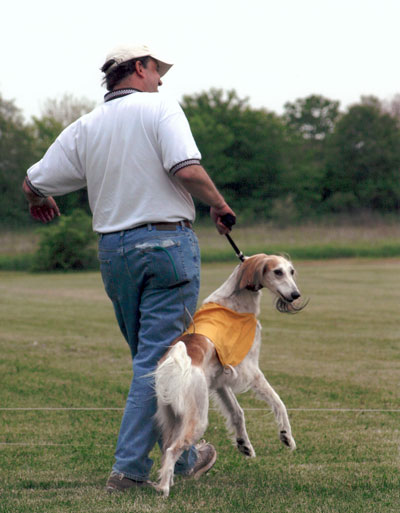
{"x":191,"y":369}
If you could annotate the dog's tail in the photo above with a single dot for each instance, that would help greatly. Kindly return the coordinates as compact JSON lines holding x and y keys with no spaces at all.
{"x":182,"y":398}
{"x":173,"y":378}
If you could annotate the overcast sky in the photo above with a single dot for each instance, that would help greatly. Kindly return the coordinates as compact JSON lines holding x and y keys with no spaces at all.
{"x":269,"y":51}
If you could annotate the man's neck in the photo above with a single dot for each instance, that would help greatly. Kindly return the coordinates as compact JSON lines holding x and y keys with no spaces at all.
{"x":131,"y":82}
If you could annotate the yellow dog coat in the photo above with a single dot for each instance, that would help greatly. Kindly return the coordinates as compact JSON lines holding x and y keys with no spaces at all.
{"x":232,"y":333}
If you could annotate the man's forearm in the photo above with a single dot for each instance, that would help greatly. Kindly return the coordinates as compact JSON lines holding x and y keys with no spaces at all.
{"x":32,"y":198}
{"x":196,"y":181}
{"x":41,"y":208}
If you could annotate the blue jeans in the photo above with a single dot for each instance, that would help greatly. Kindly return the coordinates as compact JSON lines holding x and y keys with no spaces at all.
{"x":152,"y":277}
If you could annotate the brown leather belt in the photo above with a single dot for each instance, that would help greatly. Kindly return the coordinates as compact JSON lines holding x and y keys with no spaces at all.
{"x":166,"y":226}
{"x":156,"y":226}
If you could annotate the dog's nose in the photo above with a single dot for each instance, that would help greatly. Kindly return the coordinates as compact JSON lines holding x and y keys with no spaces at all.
{"x":295,"y":295}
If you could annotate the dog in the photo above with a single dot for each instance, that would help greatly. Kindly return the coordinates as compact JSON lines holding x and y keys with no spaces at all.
{"x":191,"y":369}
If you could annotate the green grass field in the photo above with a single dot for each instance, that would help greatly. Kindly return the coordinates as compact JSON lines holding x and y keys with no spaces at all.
{"x":338,"y":238}
{"x":336,"y":365}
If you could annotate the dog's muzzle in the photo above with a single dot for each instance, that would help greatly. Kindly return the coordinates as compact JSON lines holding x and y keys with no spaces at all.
{"x":284,"y":306}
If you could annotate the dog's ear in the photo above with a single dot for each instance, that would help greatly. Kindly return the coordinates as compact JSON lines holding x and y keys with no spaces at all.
{"x":251,"y":272}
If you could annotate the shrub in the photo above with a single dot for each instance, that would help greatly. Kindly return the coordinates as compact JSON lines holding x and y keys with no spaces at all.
{"x":68,"y":244}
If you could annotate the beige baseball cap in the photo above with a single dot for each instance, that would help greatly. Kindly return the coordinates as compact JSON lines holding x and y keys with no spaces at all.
{"x":125,"y":53}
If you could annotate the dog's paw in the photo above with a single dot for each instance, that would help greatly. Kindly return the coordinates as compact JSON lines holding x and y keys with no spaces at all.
{"x":287,"y":439}
{"x":246,"y":449}
{"x":164,"y":490}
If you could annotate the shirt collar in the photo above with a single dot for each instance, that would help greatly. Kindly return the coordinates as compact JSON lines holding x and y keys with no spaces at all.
{"x":119,"y":93}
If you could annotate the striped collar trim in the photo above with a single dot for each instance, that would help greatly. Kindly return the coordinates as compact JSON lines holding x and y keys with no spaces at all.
{"x":119,"y":93}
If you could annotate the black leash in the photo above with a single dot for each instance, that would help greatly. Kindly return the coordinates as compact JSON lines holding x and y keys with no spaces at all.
{"x":229,"y":220}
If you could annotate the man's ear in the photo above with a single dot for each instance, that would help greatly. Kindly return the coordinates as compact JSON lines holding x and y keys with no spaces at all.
{"x":139,"y":68}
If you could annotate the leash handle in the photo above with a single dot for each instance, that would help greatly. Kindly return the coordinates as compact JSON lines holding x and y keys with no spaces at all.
{"x":229,"y":220}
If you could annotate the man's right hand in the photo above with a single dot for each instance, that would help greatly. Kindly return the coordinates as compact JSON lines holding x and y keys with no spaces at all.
{"x":41,"y":209}
{"x":45,"y":211}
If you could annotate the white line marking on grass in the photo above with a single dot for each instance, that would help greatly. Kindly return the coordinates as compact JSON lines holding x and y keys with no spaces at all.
{"x":61,"y":409}
{"x":357,"y":410}
{"x":333,"y":410}
{"x":45,"y":444}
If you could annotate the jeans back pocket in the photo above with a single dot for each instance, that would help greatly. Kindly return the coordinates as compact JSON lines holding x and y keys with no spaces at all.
{"x":171,"y":263}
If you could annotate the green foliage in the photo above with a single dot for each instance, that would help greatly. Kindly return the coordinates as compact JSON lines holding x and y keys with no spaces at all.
{"x":313,"y":117}
{"x":312,"y":161}
{"x":363,"y":164}
{"x":16,"y":151}
{"x":67,"y":244}
{"x":22,"y":144}
{"x":45,"y":130}
{"x":242,"y":149}
{"x":309,"y":122}
{"x":302,"y":179}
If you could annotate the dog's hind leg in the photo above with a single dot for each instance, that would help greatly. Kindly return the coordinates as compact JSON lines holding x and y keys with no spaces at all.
{"x":264,"y":391}
{"x":190,"y":428}
{"x":181,"y":430}
{"x":234,"y":415}
{"x":170,"y":457}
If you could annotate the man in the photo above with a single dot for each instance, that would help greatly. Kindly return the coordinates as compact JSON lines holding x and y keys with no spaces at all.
{"x":138,"y":159}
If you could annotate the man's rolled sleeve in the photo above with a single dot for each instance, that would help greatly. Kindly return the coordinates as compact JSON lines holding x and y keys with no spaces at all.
{"x":184,"y":163}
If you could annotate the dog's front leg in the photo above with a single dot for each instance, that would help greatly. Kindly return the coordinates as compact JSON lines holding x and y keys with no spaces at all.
{"x":234,"y":415}
{"x":265,"y":392}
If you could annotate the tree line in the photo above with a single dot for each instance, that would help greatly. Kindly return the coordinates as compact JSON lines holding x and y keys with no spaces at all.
{"x":312,"y":161}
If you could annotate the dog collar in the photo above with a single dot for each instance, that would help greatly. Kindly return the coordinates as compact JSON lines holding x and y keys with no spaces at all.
{"x":253,"y":288}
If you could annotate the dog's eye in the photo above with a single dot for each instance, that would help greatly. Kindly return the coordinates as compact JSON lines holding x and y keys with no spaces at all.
{"x":278,"y":272}
{"x":292,"y":272}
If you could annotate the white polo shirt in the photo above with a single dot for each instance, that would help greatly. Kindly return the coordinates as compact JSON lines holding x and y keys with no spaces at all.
{"x":126,"y":152}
